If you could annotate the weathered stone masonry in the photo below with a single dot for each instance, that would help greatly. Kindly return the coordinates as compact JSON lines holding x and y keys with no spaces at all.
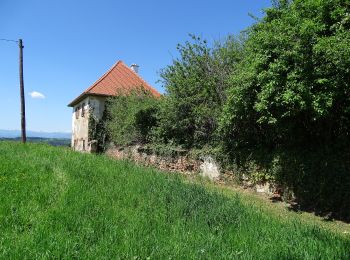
{"x":181,"y":162}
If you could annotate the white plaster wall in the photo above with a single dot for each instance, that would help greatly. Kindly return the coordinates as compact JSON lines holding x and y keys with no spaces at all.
{"x":80,"y":125}
{"x":97,"y":104}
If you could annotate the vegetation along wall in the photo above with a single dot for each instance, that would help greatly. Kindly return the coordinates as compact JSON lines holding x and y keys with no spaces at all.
{"x":272,"y":102}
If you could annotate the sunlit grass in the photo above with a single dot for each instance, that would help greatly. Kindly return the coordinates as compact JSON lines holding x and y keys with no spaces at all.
{"x":56,"y":203}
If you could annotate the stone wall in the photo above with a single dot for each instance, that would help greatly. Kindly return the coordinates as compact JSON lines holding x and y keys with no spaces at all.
{"x":206,"y":166}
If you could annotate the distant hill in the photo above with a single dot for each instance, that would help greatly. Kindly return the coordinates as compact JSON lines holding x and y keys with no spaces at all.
{"x":50,"y":141}
{"x":17,"y":133}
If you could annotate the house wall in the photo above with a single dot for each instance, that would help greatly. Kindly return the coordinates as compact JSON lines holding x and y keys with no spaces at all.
{"x":80,"y":124}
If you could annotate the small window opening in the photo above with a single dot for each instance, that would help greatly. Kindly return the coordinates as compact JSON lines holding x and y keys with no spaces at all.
{"x":83,"y":110}
{"x":77,"y":112}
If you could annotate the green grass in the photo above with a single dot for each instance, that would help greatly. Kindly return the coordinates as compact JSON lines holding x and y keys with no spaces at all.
{"x":56,"y":203}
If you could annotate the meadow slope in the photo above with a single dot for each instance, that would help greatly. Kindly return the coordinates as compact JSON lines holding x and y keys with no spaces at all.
{"x":56,"y":203}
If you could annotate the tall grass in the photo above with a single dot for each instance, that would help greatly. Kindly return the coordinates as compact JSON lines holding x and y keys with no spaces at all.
{"x":56,"y":203}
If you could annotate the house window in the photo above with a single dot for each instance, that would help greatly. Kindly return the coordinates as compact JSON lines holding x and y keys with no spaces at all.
{"x":77,"y":112}
{"x":83,"y":110}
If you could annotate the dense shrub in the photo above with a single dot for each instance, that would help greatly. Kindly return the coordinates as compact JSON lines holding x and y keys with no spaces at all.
{"x":195,"y":85}
{"x":292,"y":86}
{"x":289,"y":96}
{"x":98,"y":132}
{"x":131,"y":117}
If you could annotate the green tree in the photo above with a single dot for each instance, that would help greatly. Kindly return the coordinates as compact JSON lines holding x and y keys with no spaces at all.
{"x":195,"y":91}
{"x":289,"y":100}
{"x":292,"y":86}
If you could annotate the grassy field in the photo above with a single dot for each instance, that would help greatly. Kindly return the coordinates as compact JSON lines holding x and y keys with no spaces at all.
{"x":56,"y":203}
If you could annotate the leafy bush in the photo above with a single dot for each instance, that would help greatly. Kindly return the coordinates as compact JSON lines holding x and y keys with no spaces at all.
{"x":98,"y":132}
{"x":289,"y":99}
{"x":131,"y":117}
{"x":195,"y":90}
{"x":292,"y":86}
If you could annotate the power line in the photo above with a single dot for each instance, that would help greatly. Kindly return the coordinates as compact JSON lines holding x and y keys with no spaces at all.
{"x":7,"y":40}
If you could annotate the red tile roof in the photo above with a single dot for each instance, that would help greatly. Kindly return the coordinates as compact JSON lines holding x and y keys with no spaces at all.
{"x":118,"y":79}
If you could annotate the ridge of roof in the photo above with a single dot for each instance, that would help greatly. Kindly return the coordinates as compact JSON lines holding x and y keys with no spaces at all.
{"x":143,"y":81}
{"x":102,"y":77}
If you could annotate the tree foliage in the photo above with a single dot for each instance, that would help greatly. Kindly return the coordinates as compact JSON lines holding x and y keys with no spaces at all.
{"x":195,"y":86}
{"x":289,"y":101}
{"x":292,"y":86}
{"x":132,"y":116}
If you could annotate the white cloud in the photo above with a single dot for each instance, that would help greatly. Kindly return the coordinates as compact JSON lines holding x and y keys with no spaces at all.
{"x":35,"y":94}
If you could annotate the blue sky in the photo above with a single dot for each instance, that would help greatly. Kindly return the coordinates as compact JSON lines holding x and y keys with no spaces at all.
{"x":70,"y":44}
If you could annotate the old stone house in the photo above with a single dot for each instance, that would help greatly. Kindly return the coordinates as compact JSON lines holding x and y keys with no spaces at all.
{"x":119,"y":79}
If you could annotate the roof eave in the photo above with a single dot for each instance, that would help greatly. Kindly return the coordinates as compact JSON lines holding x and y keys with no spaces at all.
{"x":77,"y":100}
{"x":84,"y":95}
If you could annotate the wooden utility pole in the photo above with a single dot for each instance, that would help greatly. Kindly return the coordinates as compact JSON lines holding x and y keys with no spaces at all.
{"x":21,"y":81}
